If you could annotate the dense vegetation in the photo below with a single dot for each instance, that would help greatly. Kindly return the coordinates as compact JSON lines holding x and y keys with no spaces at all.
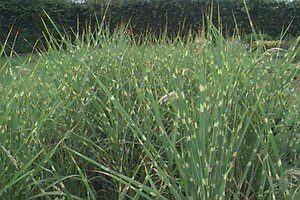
{"x":110,"y":117}
{"x":179,"y":16}
{"x":118,"y":112}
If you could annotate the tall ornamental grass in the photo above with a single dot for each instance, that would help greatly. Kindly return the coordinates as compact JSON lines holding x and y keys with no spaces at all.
{"x":110,"y":116}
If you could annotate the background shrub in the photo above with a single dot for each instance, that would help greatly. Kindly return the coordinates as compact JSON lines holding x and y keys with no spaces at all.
{"x":271,"y":18}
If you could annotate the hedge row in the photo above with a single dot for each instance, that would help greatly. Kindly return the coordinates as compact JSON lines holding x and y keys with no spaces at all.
{"x":25,"y":17}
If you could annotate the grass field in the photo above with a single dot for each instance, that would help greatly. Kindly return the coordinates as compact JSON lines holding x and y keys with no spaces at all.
{"x":110,"y":119}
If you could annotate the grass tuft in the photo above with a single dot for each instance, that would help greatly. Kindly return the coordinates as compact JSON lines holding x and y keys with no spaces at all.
{"x":110,"y":116}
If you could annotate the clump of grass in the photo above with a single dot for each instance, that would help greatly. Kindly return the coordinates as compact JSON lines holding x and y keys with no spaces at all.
{"x":108,"y":117}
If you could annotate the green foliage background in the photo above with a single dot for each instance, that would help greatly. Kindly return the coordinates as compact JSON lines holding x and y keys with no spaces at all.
{"x":178,"y":16}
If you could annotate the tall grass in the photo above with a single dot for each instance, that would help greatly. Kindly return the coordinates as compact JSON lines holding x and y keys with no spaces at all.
{"x":109,"y":117}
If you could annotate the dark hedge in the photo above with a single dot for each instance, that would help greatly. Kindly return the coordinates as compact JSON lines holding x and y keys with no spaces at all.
{"x":178,"y":16}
